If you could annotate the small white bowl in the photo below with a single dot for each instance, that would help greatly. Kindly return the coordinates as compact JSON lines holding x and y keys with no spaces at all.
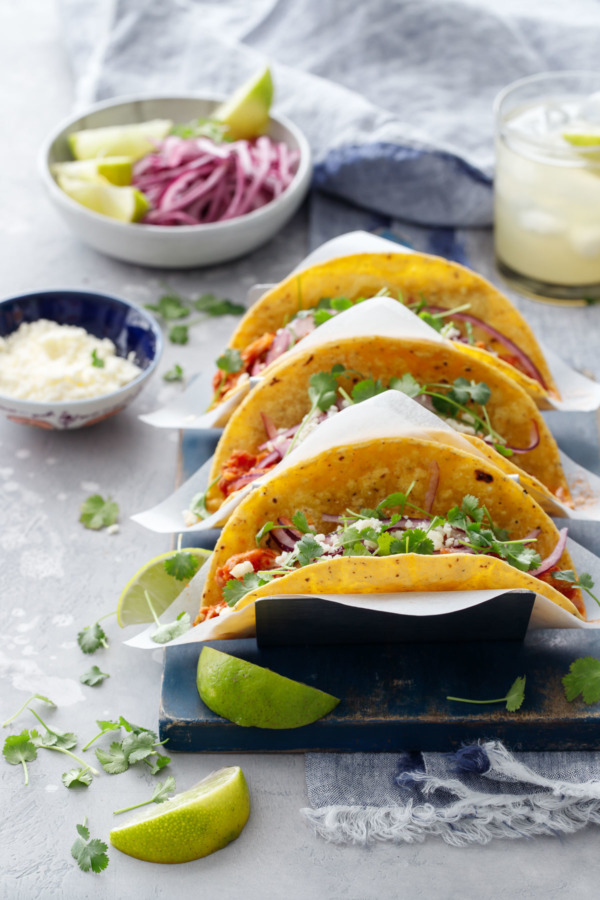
{"x":133,"y":331}
{"x":181,"y":246}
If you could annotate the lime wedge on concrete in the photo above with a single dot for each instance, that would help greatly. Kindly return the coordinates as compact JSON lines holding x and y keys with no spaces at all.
{"x":134,"y":141}
{"x":162,"y":588}
{"x":190,"y":825}
{"x":126,"y":204}
{"x":248,"y":694}
{"x":116,"y":169}
{"x":247,"y":110}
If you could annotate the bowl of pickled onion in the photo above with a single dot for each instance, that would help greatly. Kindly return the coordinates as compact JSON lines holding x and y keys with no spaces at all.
{"x":208,"y":202}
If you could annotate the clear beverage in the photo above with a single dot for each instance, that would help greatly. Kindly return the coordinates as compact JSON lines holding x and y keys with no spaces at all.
{"x":547,"y":185}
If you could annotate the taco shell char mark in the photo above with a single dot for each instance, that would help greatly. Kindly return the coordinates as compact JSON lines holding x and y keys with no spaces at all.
{"x":360,"y":476}
{"x":283,"y":397}
{"x":441,"y":284}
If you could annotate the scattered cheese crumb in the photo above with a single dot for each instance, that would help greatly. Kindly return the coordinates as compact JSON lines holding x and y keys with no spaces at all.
{"x":113,"y":529}
{"x":242,"y":568}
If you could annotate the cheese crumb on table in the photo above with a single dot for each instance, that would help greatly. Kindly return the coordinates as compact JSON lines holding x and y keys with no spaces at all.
{"x":46,"y":362}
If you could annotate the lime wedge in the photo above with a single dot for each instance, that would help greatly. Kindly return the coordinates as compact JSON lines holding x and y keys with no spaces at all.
{"x":582,"y":140}
{"x":162,"y":588}
{"x":126,"y":204}
{"x":116,"y":169}
{"x":248,"y":694}
{"x":134,"y":141}
{"x":190,"y":825}
{"x":247,"y":110}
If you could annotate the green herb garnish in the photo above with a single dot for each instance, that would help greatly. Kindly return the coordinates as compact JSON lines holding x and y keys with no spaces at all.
{"x":514,"y":698}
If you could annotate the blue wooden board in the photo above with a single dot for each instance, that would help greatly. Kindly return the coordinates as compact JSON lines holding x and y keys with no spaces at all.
{"x":393,"y":695}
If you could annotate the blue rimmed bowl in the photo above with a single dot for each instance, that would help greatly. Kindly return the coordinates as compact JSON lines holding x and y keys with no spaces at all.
{"x":133,"y":331}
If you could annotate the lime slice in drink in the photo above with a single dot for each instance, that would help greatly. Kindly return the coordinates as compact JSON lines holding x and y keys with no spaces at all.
{"x":577,"y":139}
{"x":247,"y":110}
{"x":251,"y":695}
{"x":126,"y":204}
{"x":134,"y":141}
{"x":116,"y":169}
{"x":190,"y":825}
{"x":162,"y":588}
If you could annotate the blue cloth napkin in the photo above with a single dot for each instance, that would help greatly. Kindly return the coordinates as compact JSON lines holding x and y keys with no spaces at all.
{"x":395,"y":97}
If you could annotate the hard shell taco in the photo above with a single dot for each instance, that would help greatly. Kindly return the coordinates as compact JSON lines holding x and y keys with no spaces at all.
{"x":388,"y":516}
{"x":474,"y":398}
{"x":454,"y":300}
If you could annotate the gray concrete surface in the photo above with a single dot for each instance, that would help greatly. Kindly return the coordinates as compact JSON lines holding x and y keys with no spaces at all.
{"x":56,"y":577}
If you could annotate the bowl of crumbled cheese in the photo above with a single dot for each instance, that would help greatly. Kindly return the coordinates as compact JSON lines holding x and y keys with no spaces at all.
{"x":71,"y":358}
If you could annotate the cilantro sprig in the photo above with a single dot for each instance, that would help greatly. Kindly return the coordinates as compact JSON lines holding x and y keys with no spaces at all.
{"x":174,"y":374}
{"x":26,"y":705}
{"x":514,"y":697}
{"x":136,"y":746}
{"x":584,"y":580}
{"x":93,"y":676}
{"x":92,"y":637}
{"x":19,"y":749}
{"x":182,"y":565}
{"x":89,"y":854}
{"x":159,"y":795}
{"x":173,"y":307}
{"x":169,"y":630}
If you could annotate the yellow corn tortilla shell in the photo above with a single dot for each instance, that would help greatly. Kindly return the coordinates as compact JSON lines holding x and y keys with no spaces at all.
{"x":362,"y":475}
{"x":440,"y":282}
{"x":283,"y":396}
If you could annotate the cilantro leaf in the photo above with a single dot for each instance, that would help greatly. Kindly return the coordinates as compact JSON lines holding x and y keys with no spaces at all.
{"x":367,"y":388}
{"x":516,"y":694}
{"x":218,"y":306}
{"x":114,"y":761}
{"x":83,"y":831}
{"x":388,"y":545}
{"x":19,"y":750}
{"x":77,"y":778}
{"x":91,"y":638}
{"x":198,"y":502}
{"x":179,"y":334}
{"x":406,"y":385}
{"x":160,"y":762}
{"x":300,"y":521}
{"x":97,"y":361}
{"x":480,"y":393}
{"x":174,"y":374}
{"x":96,"y":512}
{"x":237,"y":588}
{"x":159,"y":795}
{"x":203,"y":127}
{"x":182,"y":565}
{"x":230,"y":361}
{"x":321,"y":316}
{"x":308,"y":549}
{"x":89,"y":854}
{"x":323,"y":390}
{"x":171,"y":630}
{"x":138,"y":746}
{"x":415,"y":540}
{"x":584,"y":581}
{"x":169,"y":307}
{"x":513,"y":700}
{"x":583,"y":678}
{"x":340,"y":303}
{"x":397,"y":499}
{"x":57,"y":740}
{"x":93,"y":676}
{"x":470,"y":507}
{"x":266,"y":528}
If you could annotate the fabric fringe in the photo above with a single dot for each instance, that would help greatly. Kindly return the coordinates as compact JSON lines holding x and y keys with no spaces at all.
{"x":470,"y":817}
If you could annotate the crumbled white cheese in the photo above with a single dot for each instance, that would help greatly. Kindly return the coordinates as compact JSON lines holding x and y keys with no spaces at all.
{"x":189,"y":518}
{"x":113,"y":529}
{"x":242,"y":568}
{"x":462,"y":427}
{"x":47,"y":362}
{"x":362,"y":524}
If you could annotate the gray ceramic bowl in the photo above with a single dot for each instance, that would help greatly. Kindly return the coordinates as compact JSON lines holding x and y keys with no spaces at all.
{"x":167,"y":246}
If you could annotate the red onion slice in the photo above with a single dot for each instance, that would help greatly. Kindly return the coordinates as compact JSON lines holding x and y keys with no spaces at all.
{"x":554,"y":556}
{"x":528,"y":365}
{"x":534,"y":440}
{"x":280,"y":344}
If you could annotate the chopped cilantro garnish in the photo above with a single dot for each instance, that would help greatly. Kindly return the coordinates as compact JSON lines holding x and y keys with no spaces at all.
{"x":583,"y":678}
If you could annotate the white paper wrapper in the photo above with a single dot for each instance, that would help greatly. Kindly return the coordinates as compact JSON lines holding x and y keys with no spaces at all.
{"x":579,"y":393}
{"x":391,"y":414}
{"x":230,"y":624}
